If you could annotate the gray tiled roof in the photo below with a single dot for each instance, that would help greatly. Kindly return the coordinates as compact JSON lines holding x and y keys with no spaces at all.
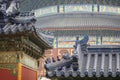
{"x":35,"y":4}
{"x":73,"y":20}
{"x":97,"y":62}
{"x":15,"y":28}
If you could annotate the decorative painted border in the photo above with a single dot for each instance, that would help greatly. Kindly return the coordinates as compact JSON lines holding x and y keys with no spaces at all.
{"x":12,"y":67}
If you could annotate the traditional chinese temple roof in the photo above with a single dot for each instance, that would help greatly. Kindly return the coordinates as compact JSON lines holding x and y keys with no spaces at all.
{"x":86,"y":62}
{"x":78,"y":20}
{"x":14,"y":24}
{"x":23,"y":29}
{"x":36,"y":4}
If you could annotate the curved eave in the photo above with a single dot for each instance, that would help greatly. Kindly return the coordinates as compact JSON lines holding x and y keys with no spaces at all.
{"x":39,"y":41}
{"x":25,"y":31}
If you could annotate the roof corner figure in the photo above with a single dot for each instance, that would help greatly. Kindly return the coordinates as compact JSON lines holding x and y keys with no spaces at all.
{"x":83,"y":41}
{"x":13,"y":8}
{"x":9,"y":7}
{"x":9,"y":12}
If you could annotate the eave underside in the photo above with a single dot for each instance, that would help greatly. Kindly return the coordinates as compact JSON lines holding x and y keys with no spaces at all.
{"x":25,"y":41}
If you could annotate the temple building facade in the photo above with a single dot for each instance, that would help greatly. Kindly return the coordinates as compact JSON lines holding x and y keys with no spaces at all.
{"x":98,"y":57}
{"x":102,"y":29}
{"x":86,"y":62}
{"x":67,"y":20}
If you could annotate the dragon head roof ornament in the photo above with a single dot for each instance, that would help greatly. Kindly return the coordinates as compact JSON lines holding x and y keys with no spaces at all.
{"x":9,"y":7}
{"x":9,"y":12}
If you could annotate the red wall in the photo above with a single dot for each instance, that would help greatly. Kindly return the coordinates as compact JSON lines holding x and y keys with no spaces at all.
{"x":28,"y":74}
{"x":6,"y":75}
